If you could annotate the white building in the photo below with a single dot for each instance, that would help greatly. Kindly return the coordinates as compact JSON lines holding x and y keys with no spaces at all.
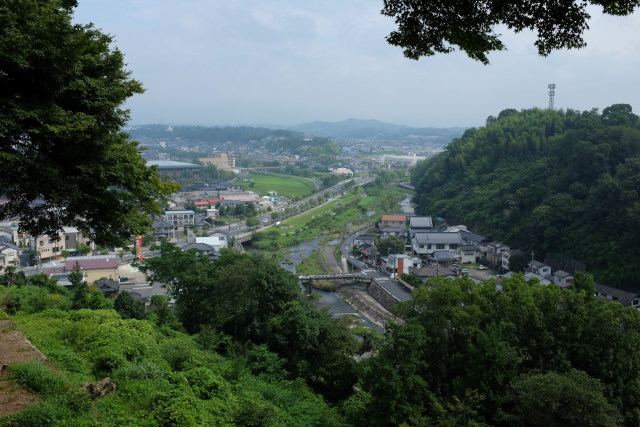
{"x":427,"y":243}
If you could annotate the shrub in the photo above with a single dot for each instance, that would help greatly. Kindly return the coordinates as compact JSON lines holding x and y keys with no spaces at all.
{"x":141,"y":370}
{"x":37,"y":378}
{"x":207,"y":384}
{"x":181,"y":353}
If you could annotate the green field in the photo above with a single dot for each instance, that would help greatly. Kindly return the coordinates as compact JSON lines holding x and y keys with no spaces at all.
{"x":284,"y":185}
{"x":328,"y":219}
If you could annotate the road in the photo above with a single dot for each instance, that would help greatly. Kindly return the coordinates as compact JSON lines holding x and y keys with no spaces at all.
{"x":241,"y":231}
{"x":394,"y":287}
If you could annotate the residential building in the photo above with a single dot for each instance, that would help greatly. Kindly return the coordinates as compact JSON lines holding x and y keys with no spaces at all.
{"x":478,"y":241}
{"x":180,"y":220}
{"x":9,"y":255}
{"x":426,"y":243}
{"x":433,"y":270}
{"x":420,"y":224}
{"x":94,"y":267}
{"x":494,"y":254}
{"x":203,"y":249}
{"x":217,"y":241}
{"x":626,"y":298}
{"x":393,"y":221}
{"x":562,"y":279}
{"x":393,"y":231}
{"x":365,"y":239}
{"x":539,"y":268}
{"x":73,"y":237}
{"x":108,"y":287}
{"x":398,"y":264}
{"x":468,"y":253}
{"x":47,"y":247}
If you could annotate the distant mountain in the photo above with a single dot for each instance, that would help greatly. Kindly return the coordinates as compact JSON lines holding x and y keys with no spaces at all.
{"x":365,"y":129}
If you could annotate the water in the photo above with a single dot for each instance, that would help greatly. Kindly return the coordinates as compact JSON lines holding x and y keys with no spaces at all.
{"x":406,"y":201}
{"x":330,"y":301}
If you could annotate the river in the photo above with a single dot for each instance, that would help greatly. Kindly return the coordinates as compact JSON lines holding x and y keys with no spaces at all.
{"x":331,"y":301}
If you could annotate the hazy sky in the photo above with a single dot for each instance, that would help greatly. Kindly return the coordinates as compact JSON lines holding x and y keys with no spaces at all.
{"x":286,"y":62}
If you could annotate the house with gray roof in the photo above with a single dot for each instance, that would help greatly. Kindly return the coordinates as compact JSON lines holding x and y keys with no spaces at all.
{"x":108,"y":287}
{"x":203,"y":249}
{"x":420,"y":224}
{"x":626,"y":298}
{"x":468,"y":253}
{"x":427,"y":243}
{"x":562,"y":279}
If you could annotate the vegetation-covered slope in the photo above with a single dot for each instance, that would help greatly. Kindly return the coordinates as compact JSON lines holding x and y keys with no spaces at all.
{"x":550,"y":181}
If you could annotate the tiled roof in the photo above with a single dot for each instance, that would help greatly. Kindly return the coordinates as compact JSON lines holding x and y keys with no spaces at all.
{"x":420,"y":222}
{"x":438,"y":237}
{"x":92,"y":262}
{"x":394,"y":218}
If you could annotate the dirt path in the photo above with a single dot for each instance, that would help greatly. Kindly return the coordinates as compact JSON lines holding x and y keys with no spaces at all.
{"x":15,"y":348}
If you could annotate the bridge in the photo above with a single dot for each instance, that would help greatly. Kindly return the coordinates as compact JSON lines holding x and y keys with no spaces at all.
{"x":351,"y":277}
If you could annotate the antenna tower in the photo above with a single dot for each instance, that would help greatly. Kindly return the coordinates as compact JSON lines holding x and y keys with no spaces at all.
{"x":552,"y":93}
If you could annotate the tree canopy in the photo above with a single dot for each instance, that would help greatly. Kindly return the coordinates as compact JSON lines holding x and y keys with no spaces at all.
{"x":563,"y":182}
{"x":472,"y":354}
{"x":429,"y":27}
{"x":64,"y":160}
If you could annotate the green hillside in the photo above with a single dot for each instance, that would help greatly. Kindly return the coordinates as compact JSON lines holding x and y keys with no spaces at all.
{"x":548,"y":181}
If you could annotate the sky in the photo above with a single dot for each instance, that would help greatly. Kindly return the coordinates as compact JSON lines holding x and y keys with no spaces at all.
{"x":287,"y":62}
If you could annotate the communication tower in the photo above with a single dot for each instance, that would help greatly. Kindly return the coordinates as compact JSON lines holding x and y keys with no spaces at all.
{"x":552,"y":93}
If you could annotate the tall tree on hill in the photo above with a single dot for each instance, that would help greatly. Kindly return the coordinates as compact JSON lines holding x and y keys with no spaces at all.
{"x":63,"y":159}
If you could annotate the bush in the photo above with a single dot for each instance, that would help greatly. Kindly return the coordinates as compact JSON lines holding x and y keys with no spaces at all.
{"x":207,"y":384}
{"x":47,"y":413}
{"x":141,"y":370}
{"x":37,"y":378}
{"x":181,"y":353}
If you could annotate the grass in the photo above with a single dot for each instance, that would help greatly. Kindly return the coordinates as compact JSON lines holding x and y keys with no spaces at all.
{"x":310,"y":265}
{"x":284,"y":185}
{"x":330,"y":219}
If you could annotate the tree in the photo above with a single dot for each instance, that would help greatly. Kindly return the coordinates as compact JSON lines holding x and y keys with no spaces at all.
{"x":429,"y":27}
{"x":127,"y":307}
{"x":12,"y":277}
{"x":391,"y":245}
{"x":80,"y":288}
{"x":63,"y":159}
{"x":83,"y":249}
{"x":553,"y":399}
{"x":518,"y":262}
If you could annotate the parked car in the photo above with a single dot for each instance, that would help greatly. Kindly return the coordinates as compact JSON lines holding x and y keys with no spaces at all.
{"x":465,"y":271}
{"x":482,"y":267}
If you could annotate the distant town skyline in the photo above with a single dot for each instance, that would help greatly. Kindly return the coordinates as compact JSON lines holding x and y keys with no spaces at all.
{"x":281,"y":63}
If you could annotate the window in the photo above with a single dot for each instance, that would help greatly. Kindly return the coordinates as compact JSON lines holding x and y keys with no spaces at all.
{"x":440,"y":246}
{"x":421,"y":246}
{"x":454,"y":246}
{"x":41,"y":242}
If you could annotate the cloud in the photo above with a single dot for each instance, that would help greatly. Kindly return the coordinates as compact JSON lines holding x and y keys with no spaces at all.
{"x":286,"y":62}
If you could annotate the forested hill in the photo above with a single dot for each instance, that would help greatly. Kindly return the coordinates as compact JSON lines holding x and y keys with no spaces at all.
{"x":206,"y":133}
{"x":551,"y":181}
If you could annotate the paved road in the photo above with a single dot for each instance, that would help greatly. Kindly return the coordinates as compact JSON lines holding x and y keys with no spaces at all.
{"x":392,"y":286}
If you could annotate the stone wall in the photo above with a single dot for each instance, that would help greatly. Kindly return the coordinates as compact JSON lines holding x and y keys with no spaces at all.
{"x":382,"y":295}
